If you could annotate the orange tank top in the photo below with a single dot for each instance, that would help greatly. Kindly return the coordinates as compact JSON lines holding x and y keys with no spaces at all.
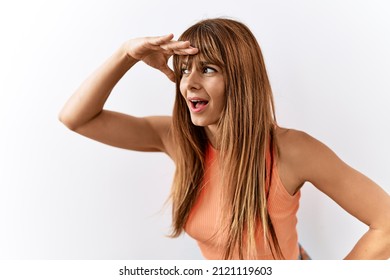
{"x":202,"y":223}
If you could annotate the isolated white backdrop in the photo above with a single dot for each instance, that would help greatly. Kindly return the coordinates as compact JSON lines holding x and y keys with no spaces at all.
{"x":63,"y":196}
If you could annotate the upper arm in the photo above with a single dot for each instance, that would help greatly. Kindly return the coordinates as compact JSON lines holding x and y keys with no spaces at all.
{"x":314,"y":162}
{"x":129,"y":132}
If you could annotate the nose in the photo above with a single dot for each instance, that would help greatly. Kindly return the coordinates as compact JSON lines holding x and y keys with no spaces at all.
{"x":192,"y":80}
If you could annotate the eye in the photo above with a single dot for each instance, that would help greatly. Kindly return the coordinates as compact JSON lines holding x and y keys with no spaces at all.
{"x":209,"y":70}
{"x":185,"y":71}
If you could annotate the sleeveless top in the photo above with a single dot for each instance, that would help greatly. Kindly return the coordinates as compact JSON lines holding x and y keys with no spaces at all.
{"x":202,"y":223}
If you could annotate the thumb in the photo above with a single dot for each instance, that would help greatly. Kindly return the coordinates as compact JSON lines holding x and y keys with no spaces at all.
{"x":168,"y":72}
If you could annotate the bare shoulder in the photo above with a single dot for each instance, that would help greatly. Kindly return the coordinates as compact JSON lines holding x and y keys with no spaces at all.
{"x":303,"y":158}
{"x":293,"y":137}
{"x":293,"y":144}
{"x":297,"y":149}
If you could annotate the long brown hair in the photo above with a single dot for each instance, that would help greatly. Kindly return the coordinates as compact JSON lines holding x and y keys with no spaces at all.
{"x":245,"y":136}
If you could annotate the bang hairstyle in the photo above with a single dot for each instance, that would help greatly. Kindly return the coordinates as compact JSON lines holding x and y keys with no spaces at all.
{"x":210,"y":48}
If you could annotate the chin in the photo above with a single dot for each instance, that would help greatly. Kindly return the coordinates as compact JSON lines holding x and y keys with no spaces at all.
{"x":198,"y":122}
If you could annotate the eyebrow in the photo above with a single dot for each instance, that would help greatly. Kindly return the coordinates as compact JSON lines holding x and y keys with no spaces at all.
{"x":202,"y":63}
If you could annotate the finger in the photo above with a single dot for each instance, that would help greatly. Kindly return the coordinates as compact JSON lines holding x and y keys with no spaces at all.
{"x":160,"y":40}
{"x":169,"y":53}
{"x":189,"y":51}
{"x":169,"y":73}
{"x":183,"y":49}
{"x":176,"y":45}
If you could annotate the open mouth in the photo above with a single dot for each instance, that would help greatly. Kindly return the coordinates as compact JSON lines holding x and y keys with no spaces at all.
{"x":198,"y":104}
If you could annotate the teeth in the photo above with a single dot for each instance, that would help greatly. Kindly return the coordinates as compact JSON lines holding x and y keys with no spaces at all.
{"x":196,"y":101}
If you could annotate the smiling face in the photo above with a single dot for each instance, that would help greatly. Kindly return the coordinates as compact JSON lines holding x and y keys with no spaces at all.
{"x":203,"y":88}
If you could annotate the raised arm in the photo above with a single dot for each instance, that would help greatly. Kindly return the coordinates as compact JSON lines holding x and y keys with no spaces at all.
{"x":84,"y":113}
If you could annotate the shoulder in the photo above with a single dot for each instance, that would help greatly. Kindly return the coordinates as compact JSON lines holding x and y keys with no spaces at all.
{"x":303,"y":158}
{"x":293,"y":144}
{"x":299,"y":157}
{"x":291,"y":138}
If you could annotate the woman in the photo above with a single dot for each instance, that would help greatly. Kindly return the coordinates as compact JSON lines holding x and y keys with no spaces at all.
{"x":238,"y":175}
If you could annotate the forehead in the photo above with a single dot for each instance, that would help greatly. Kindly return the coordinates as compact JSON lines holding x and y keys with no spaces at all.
{"x":194,"y":60}
{"x":210,"y":48}
{"x":200,"y":59}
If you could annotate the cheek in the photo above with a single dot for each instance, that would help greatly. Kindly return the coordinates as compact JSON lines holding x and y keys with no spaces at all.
{"x":222,"y":97}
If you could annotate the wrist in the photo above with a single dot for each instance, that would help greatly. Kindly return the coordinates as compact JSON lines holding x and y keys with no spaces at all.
{"x":124,"y":53}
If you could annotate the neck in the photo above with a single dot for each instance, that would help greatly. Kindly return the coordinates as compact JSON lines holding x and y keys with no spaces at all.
{"x":211,"y":132}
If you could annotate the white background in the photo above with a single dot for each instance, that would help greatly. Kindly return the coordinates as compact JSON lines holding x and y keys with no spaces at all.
{"x":63,"y":196}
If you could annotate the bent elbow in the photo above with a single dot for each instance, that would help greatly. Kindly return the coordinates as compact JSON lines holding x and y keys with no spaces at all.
{"x":67,"y":121}
{"x":382,"y":236}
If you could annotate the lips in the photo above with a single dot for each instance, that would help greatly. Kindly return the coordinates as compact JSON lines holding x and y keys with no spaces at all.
{"x":197,"y":104}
